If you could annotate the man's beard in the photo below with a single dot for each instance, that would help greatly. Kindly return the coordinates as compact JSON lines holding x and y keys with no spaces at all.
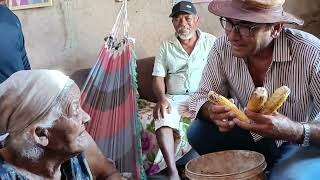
{"x":184,"y":33}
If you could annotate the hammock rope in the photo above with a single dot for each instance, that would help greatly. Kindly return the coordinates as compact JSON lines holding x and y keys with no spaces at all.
{"x":110,"y":97}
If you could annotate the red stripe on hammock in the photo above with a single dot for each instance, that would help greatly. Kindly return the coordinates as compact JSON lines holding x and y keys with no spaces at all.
{"x":100,"y":126}
{"x":113,"y":62}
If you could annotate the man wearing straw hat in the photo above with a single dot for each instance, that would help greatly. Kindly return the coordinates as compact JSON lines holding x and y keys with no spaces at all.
{"x":258,"y":50}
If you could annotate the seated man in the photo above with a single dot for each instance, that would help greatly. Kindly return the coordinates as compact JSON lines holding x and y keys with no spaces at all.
{"x":181,"y":60}
{"x":43,"y":132}
{"x":258,"y":51}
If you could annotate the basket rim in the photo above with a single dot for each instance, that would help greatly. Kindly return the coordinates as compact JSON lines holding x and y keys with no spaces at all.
{"x":262,"y":165}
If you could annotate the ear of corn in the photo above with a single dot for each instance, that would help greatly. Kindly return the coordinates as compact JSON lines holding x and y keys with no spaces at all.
{"x":220,"y":100}
{"x":276,"y":100}
{"x":257,"y":99}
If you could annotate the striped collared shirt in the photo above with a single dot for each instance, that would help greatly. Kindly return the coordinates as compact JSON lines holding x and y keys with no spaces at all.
{"x":295,"y":63}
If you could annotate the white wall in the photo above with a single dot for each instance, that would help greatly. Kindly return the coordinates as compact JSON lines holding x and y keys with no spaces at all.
{"x":49,"y":31}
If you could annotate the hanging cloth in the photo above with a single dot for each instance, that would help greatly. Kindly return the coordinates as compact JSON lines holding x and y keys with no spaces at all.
{"x":109,"y":96}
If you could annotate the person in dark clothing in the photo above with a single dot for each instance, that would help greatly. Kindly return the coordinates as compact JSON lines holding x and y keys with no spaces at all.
{"x":13,"y":56}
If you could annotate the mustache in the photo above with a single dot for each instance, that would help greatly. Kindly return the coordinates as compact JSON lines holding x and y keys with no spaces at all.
{"x":184,"y":29}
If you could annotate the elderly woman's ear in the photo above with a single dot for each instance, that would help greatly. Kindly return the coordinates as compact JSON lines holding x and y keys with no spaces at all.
{"x":41,"y":136}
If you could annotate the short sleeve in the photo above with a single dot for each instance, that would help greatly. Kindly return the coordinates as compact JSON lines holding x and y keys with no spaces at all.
{"x":159,"y":67}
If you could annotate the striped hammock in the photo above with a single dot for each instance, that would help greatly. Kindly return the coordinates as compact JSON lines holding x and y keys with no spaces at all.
{"x":109,"y":96}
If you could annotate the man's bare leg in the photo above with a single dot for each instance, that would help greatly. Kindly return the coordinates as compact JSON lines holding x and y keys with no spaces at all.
{"x":166,"y":143}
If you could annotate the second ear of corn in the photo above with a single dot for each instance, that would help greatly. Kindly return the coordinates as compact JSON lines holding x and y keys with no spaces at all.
{"x":257,"y":99}
{"x":276,"y":100}
{"x":220,"y":100}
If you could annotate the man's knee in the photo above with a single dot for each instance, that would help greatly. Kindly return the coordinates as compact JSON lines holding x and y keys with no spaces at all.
{"x":197,"y":136}
{"x":193,"y":133}
{"x":163,"y":131}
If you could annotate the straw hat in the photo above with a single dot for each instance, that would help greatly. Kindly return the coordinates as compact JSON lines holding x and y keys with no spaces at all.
{"x":258,"y":11}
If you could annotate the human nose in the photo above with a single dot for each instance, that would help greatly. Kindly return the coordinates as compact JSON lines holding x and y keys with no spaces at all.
{"x":183,"y":22}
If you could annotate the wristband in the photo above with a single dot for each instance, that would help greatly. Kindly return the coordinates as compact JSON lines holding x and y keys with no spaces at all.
{"x":306,"y":135}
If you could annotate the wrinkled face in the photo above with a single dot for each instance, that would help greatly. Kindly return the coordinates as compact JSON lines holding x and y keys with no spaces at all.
{"x":185,"y":25}
{"x":25,"y":147}
{"x":68,"y":132}
{"x":247,"y":38}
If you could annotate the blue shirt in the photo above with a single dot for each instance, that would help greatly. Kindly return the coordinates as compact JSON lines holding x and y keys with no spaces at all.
{"x":74,"y":169}
{"x":13,"y":56}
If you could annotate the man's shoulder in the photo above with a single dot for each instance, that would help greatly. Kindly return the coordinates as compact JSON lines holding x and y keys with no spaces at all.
{"x":5,"y":11}
{"x":302,"y":38}
{"x":167,"y":41}
{"x":222,"y":44}
{"x":6,"y":15}
{"x":207,"y":38}
{"x":170,"y":41}
{"x":208,"y":35}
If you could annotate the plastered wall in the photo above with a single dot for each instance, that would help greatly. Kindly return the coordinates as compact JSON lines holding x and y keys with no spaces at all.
{"x":69,"y":35}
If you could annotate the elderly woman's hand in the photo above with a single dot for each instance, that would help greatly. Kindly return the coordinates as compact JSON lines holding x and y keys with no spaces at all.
{"x":276,"y":126}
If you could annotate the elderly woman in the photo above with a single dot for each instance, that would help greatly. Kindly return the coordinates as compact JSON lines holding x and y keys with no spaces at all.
{"x":43,"y":132}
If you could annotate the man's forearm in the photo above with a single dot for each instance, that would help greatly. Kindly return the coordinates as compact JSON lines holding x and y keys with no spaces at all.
{"x":158,"y":87}
{"x":297,"y":134}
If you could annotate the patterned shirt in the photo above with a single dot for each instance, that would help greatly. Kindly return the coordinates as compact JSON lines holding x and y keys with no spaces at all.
{"x":74,"y":169}
{"x":295,"y":63}
{"x":182,"y":71}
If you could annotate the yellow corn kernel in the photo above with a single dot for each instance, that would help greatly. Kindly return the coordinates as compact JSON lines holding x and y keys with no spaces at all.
{"x":276,"y":100}
{"x":257,"y":99}
{"x":220,"y":100}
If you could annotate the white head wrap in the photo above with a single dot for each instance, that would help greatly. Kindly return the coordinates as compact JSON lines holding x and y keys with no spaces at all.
{"x":27,"y":96}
